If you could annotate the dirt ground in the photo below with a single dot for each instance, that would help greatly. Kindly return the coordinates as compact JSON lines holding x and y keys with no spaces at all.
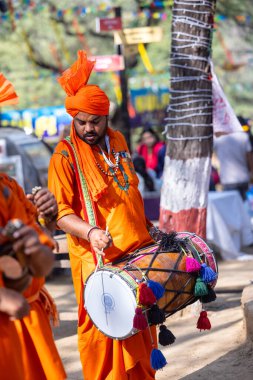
{"x":220,"y":353}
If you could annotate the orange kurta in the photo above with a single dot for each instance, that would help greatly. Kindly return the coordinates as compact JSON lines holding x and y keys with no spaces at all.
{"x":123,"y":212}
{"x":11,"y":365}
{"x":39,"y":354}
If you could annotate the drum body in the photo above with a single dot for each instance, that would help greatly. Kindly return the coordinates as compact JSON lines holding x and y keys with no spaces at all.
{"x":110,"y":292}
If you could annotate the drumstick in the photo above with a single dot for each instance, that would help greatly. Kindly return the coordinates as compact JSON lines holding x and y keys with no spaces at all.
{"x":106,"y":234}
{"x":97,"y":266}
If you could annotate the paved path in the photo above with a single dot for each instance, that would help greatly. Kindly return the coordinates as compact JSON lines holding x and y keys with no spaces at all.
{"x":220,"y":353}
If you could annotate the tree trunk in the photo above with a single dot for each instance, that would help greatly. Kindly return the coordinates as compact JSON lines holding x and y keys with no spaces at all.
{"x":189,"y":121}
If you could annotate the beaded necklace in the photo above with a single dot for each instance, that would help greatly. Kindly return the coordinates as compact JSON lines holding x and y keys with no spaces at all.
{"x":113,"y":168}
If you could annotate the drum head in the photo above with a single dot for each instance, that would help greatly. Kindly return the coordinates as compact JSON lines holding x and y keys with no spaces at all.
{"x":110,"y":303}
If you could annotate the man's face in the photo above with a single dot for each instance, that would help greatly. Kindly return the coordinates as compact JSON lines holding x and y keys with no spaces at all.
{"x":90,"y":128}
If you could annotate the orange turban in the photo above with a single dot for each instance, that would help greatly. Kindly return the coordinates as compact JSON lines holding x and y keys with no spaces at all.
{"x":8,"y":95}
{"x":83,"y":97}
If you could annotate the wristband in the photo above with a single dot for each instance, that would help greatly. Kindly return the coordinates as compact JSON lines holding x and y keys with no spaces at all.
{"x":91,"y":229}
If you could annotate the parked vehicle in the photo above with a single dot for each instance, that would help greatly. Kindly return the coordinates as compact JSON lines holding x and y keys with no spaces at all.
{"x":25,"y":157}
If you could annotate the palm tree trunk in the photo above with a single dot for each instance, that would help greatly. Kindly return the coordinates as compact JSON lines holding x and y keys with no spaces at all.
{"x":189,"y":121}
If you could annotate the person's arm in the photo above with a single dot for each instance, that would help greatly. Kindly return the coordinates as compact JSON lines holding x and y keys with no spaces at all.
{"x":99,"y":239}
{"x":154,"y":231}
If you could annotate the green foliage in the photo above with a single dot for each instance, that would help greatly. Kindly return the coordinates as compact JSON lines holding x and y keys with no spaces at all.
{"x":43,"y":42}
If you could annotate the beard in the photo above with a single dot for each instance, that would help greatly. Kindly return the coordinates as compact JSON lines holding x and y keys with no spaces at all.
{"x":92,"y":138}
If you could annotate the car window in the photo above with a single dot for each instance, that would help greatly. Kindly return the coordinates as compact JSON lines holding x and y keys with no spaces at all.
{"x":38,"y":152}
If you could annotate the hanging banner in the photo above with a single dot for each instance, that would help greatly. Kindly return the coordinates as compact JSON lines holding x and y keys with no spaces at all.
{"x":224,"y":117}
{"x":149,"y":106}
{"x":148,"y":109}
{"x":43,"y":122}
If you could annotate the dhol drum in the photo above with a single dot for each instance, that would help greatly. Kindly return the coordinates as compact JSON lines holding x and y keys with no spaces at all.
{"x":111,"y":292}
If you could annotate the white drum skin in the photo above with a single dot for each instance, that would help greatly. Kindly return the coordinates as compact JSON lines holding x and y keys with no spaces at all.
{"x":110,"y":302}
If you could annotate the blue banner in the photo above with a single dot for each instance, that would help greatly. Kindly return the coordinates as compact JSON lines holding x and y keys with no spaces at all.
{"x":148,"y":107}
{"x":43,"y":122}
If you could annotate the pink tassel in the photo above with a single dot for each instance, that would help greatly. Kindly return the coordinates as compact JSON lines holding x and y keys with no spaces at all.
{"x":140,"y":321}
{"x":192,"y":265}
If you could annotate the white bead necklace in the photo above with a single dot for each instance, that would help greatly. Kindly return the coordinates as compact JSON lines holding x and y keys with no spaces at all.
{"x":107,"y":159}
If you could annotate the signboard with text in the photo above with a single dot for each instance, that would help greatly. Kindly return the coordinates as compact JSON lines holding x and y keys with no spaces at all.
{"x":108,"y":24}
{"x":108,"y":63}
{"x":142,"y":35}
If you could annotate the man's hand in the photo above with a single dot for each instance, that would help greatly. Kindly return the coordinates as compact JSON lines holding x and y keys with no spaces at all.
{"x":13,"y":304}
{"x":100,"y":240}
{"x":45,"y":202}
{"x":26,"y":240}
{"x":39,"y":257}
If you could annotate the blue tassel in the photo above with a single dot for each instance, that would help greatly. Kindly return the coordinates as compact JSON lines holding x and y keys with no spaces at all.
{"x":157,"y":359}
{"x":157,"y":289}
{"x":207,"y":274}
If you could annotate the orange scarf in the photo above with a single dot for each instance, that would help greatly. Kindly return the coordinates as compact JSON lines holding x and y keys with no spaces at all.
{"x":8,"y":95}
{"x":86,"y":159}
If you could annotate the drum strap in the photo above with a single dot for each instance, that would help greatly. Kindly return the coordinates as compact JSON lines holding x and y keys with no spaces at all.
{"x":88,"y":205}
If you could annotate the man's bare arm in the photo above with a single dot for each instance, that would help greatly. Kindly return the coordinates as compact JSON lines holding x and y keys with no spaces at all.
{"x":73,"y":225}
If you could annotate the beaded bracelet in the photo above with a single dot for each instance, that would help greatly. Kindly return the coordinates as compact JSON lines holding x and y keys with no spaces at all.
{"x":92,"y":228}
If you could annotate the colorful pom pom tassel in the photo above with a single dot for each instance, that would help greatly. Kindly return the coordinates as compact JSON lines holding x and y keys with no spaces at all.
{"x":155,"y":315}
{"x":157,"y":289}
{"x":209,"y":297}
{"x":192,"y":265}
{"x":200,"y":288}
{"x":203,"y":321}
{"x":146,"y":295}
{"x":157,"y":359}
{"x":207,"y":274}
{"x":140,"y":321}
{"x":165,"y":336}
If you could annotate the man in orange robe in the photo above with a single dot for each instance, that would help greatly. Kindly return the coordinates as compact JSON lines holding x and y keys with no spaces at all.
{"x":116,"y":206}
{"x":27,"y":349}
{"x":23,"y":334}
{"x":40,"y":356}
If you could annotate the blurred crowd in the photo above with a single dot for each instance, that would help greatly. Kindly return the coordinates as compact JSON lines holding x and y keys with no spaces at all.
{"x":232,"y":161}
{"x":148,"y":159}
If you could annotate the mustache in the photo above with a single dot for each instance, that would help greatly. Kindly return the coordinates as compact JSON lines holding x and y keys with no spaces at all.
{"x":90,"y":135}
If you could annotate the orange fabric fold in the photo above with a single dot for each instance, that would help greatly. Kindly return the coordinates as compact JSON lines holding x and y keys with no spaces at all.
{"x":96,"y":182}
{"x":8,"y":95}
{"x":38,"y":355}
{"x":122,"y":212}
{"x":82,"y":97}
